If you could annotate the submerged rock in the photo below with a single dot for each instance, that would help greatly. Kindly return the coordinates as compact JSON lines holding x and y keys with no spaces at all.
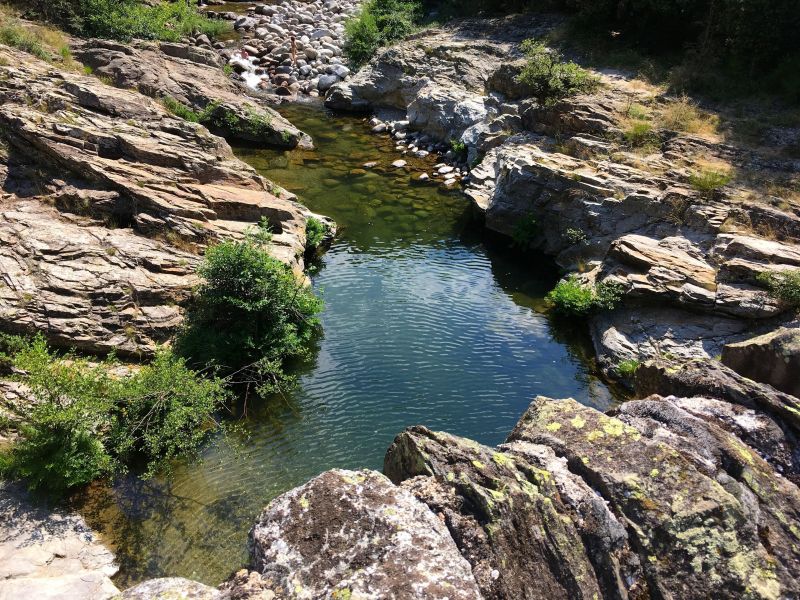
{"x":171,"y":588}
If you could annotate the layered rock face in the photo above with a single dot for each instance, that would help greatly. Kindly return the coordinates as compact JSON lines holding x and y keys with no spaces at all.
{"x":181,"y":72}
{"x":688,"y":258}
{"x":106,"y":200}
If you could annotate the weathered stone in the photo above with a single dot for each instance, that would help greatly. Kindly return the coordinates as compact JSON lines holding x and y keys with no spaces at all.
{"x":772,"y":358}
{"x":183,"y":74}
{"x":171,"y":588}
{"x":116,"y":165}
{"x":708,"y":517}
{"x":354,"y":534}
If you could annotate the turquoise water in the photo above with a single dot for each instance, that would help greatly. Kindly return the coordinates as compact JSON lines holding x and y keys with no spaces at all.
{"x":424,"y":323}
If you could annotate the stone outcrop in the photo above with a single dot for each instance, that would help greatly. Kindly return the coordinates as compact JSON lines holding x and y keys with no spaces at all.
{"x":194,"y":78}
{"x":171,"y":588}
{"x":663,"y":497}
{"x":49,"y":555}
{"x":107,"y":199}
{"x":652,"y":502}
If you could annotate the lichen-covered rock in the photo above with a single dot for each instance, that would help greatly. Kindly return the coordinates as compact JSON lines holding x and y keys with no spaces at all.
{"x":171,"y":588}
{"x":353,"y":534}
{"x":706,"y":514}
{"x":529,"y":527}
{"x":772,"y":358}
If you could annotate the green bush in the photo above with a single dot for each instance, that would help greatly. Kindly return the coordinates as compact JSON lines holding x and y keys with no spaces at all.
{"x":14,"y":35}
{"x":316,"y":231}
{"x":783,"y":286}
{"x":249,"y":315}
{"x":378,"y":23}
{"x":628,"y":368}
{"x":127,"y":19}
{"x":525,"y":232}
{"x":86,"y":423}
{"x":549,"y":77}
{"x":571,"y":298}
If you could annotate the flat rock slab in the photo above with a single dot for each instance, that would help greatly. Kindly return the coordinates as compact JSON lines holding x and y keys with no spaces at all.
{"x":49,"y":555}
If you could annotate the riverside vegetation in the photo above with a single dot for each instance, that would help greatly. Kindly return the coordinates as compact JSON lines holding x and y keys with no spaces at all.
{"x":86,"y":420}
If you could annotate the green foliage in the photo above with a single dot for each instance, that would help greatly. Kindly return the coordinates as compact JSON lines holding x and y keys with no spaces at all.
{"x":187,"y":114}
{"x":127,"y":19}
{"x":459,"y":148}
{"x":628,"y":368}
{"x":640,"y":134}
{"x":549,"y":77}
{"x":525,"y":232}
{"x":708,"y":180}
{"x":249,"y":316}
{"x":14,"y":35}
{"x":571,"y":298}
{"x":87,"y":423}
{"x":316,"y":231}
{"x":378,"y":23}
{"x":575,"y":236}
{"x":783,"y":286}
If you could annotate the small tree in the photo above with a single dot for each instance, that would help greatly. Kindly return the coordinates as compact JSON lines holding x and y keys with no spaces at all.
{"x":550,"y":78}
{"x":249,"y":315}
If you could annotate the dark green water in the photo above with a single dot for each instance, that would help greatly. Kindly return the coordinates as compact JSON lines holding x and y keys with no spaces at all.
{"x":424,"y":324}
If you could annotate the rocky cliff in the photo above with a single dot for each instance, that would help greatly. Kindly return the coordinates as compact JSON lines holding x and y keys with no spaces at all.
{"x":107,"y":199}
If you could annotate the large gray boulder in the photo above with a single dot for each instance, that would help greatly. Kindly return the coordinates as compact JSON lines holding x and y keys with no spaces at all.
{"x":353,"y":534}
{"x":171,"y":588}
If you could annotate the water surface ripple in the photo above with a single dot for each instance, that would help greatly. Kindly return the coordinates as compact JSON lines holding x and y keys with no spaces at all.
{"x":423,"y":324}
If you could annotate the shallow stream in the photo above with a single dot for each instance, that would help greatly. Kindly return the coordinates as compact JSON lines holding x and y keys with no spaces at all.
{"x":424,"y":323}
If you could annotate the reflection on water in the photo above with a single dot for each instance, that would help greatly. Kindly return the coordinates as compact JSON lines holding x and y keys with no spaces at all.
{"x":423,"y":324}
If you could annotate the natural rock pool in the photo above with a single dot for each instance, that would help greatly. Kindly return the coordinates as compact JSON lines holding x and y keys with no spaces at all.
{"x":424,"y":323}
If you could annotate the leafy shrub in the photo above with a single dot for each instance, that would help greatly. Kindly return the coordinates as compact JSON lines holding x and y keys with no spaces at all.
{"x":628,"y":368}
{"x":14,"y":35}
{"x":127,"y":19}
{"x":316,"y":231}
{"x":459,"y":148}
{"x":378,"y":23}
{"x":86,"y":423}
{"x":250,"y":314}
{"x":549,"y":77}
{"x":708,"y":180}
{"x":572,"y":298}
{"x":575,"y":236}
{"x":783,"y":286}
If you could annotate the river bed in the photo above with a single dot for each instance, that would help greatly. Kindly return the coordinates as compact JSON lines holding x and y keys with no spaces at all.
{"x":424,"y":323}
